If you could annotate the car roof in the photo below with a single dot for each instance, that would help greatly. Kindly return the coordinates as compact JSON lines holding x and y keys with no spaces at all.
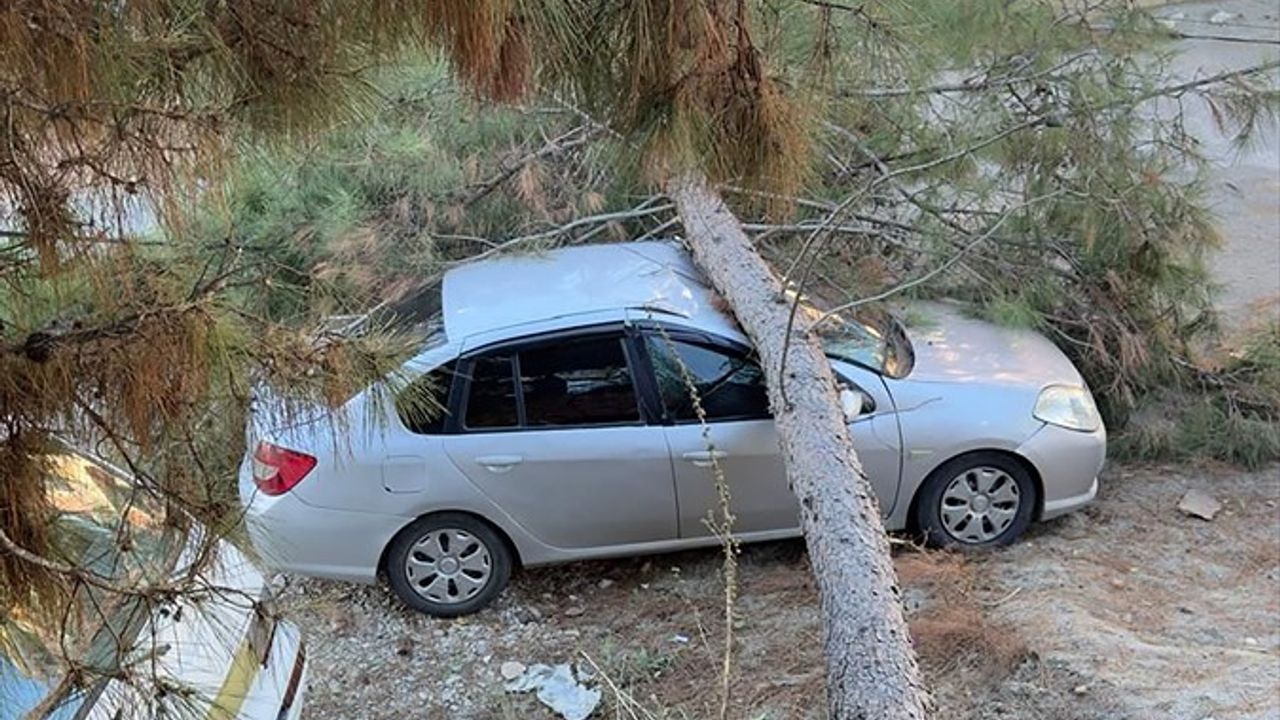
{"x":509,"y":292}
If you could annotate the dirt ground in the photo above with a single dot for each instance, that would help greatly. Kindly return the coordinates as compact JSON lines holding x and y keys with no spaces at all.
{"x":1126,"y":610}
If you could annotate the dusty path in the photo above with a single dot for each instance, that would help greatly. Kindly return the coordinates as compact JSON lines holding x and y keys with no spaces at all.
{"x":1128,"y":610}
{"x":1173,"y":617}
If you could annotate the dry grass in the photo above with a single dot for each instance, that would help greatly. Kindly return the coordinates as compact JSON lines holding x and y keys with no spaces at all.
{"x":779,"y":666}
{"x":951,"y":632}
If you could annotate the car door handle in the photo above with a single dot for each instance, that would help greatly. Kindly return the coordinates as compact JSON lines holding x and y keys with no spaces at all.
{"x":499,"y":463}
{"x":705,"y":458}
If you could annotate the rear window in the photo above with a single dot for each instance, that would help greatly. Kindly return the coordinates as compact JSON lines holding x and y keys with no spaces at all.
{"x":114,"y":528}
{"x":578,"y":382}
{"x":575,"y":382}
{"x":423,"y":405}
{"x":491,"y":402}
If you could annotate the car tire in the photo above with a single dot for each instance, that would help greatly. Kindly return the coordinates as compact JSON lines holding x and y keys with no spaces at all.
{"x":448,"y":564}
{"x":977,"y":500}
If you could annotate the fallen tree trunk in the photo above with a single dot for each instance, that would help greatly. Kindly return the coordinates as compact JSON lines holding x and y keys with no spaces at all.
{"x":871,"y":669}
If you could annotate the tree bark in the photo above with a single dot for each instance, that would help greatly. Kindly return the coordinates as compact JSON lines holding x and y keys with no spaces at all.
{"x":871,"y":668}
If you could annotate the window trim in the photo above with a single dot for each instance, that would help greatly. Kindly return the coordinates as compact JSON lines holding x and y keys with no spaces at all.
{"x":461,"y":389}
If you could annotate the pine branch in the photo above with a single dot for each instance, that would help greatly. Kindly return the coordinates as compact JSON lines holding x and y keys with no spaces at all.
{"x":575,"y":137}
{"x":974,"y":84}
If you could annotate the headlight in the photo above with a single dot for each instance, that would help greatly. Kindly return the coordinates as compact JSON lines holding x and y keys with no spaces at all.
{"x":1069,"y":406}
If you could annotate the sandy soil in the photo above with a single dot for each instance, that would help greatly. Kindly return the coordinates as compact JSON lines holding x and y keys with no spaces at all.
{"x":1127,"y":610}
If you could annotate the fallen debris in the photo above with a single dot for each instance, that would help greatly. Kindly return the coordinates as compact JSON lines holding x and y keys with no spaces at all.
{"x":558,"y":689}
{"x":1198,"y":503}
{"x":511,"y":670}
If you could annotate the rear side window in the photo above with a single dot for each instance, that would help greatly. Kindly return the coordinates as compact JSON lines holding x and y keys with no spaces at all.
{"x":578,"y":382}
{"x":491,"y":400}
{"x":729,"y":385}
{"x":423,"y":405}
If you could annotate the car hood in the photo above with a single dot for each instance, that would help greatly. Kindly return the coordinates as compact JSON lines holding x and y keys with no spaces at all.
{"x":950,"y":347}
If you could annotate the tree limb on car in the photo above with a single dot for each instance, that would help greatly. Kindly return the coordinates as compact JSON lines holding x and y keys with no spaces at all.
{"x":871,"y":669}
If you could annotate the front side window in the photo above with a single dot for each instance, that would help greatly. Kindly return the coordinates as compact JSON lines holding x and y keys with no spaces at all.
{"x":729,"y":385}
{"x":582,"y":381}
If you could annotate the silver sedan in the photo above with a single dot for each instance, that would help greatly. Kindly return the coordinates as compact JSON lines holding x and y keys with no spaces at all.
{"x":553,"y":417}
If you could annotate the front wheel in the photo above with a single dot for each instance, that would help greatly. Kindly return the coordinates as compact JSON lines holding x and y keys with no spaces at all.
{"x":448,"y":564}
{"x":982,"y":499}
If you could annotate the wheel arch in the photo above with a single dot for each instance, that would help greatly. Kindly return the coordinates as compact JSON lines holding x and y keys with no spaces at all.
{"x":913,"y":527}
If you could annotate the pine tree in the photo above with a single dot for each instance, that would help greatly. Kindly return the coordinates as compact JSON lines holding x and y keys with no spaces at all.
{"x":118,"y":110}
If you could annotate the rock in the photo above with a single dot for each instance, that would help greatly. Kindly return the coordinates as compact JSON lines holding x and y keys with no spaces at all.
{"x":526,"y":615}
{"x":404,"y":646}
{"x":1222,"y":17}
{"x":1251,"y":642}
{"x":1080,"y":689}
{"x":1198,"y":503}
{"x":575,"y":611}
{"x":511,"y":670}
{"x":605,"y":584}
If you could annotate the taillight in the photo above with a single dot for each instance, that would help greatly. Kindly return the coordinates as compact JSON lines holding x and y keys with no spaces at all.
{"x":277,"y":470}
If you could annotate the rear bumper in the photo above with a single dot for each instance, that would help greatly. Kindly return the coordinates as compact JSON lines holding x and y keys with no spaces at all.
{"x":295,"y":537}
{"x":1068,"y":462}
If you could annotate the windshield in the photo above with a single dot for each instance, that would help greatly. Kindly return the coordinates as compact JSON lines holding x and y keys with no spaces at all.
{"x":107,"y":526}
{"x":868,"y":337}
{"x":882,"y":346}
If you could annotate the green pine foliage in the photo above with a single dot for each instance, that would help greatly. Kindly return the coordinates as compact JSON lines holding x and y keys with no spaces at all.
{"x":1016,"y":140}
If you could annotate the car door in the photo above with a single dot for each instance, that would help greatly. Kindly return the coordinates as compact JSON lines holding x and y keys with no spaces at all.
{"x":553,"y":432}
{"x":739,"y":433}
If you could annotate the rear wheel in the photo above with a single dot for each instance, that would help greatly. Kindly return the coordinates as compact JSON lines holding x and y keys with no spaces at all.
{"x":981,"y":499}
{"x":448,"y":564}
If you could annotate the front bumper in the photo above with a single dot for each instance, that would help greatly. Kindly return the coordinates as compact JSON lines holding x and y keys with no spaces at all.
{"x":1068,"y":462}
{"x":1062,"y":506}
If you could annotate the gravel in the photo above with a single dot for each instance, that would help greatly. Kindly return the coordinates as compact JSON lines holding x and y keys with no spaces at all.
{"x":1127,"y":610}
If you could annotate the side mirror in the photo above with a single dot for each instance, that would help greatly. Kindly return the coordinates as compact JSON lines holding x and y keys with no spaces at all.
{"x":855,"y":403}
